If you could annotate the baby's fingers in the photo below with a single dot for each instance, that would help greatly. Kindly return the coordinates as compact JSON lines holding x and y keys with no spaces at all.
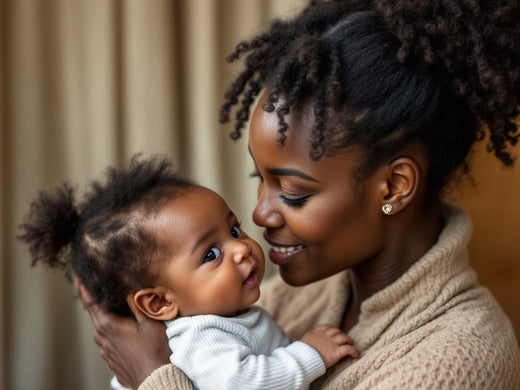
{"x":341,"y":338}
{"x":348,"y":350}
{"x":336,"y":334}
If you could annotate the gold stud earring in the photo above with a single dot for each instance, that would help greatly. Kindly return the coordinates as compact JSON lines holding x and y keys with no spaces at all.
{"x":387,"y":208}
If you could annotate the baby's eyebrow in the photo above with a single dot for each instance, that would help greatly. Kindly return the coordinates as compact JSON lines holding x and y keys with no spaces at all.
{"x":209,"y":233}
{"x":231,"y":215}
{"x":203,"y":238}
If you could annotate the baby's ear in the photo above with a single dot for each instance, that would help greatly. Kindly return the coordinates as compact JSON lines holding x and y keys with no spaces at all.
{"x":156,"y":303}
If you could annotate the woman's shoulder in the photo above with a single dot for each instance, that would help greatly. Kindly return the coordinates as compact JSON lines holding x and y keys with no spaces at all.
{"x":300,"y":308}
{"x":470,"y":345}
{"x":477,"y":323}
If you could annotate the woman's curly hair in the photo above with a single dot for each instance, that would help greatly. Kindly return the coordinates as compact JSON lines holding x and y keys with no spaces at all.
{"x":379,"y":74}
{"x":105,"y":239}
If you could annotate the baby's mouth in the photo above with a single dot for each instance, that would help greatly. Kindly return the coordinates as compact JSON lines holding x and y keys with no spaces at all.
{"x":252,"y":278}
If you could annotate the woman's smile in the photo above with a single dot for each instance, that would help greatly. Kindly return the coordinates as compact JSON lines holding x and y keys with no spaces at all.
{"x":281,"y":254}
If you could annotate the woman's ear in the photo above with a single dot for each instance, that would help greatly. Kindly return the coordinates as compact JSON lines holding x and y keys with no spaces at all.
{"x":401,"y":186}
{"x":156,"y":303}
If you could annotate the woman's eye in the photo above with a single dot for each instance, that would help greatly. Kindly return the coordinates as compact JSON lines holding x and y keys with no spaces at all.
{"x":212,"y":254}
{"x":298,"y":202}
{"x":236,"y":231}
{"x":256,"y":175}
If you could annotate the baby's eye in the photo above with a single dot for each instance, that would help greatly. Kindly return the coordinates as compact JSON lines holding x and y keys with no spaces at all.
{"x":236,"y":231}
{"x":212,"y":254}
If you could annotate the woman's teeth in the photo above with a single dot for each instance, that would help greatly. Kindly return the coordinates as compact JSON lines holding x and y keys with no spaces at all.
{"x":287,"y":249}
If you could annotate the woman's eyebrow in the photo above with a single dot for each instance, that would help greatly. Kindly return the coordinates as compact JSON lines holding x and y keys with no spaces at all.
{"x":286,"y":171}
{"x":290,"y":172}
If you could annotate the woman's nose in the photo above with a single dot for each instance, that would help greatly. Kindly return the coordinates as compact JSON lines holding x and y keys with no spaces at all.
{"x":265,"y":214}
{"x":241,"y":250}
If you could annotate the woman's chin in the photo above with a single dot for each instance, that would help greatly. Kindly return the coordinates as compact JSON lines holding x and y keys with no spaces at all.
{"x":296,"y":278}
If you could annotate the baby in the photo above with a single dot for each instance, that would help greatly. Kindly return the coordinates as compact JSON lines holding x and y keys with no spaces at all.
{"x":178,"y":250}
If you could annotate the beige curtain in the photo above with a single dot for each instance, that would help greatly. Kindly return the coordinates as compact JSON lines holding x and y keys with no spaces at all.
{"x":88,"y":83}
{"x":85,"y":84}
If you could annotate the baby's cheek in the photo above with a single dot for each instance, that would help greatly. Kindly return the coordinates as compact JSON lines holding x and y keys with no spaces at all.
{"x":226,"y":292}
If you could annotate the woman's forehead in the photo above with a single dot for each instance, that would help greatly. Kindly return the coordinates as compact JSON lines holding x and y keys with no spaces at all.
{"x":265,"y":127}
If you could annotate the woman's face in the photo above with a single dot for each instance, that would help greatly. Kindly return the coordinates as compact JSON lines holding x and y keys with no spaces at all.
{"x":317,"y":218}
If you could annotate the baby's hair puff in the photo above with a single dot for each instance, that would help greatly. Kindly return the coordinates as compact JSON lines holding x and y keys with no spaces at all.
{"x":50,"y":226}
{"x":107,"y":239}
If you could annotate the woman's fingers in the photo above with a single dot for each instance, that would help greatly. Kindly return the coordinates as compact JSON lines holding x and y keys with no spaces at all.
{"x":84,"y":294}
{"x":138,"y":314}
{"x":132,"y":348}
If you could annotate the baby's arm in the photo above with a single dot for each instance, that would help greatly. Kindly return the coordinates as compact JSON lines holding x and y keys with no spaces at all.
{"x":331,"y":343}
{"x":219,"y":360}
{"x":218,"y":354}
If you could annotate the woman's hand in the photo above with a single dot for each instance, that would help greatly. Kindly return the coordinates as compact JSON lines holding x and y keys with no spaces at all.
{"x":133,"y":349}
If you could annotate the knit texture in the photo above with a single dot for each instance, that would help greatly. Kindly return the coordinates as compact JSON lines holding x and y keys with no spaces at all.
{"x":433,"y":328}
{"x":249,"y":351}
{"x":166,"y":377}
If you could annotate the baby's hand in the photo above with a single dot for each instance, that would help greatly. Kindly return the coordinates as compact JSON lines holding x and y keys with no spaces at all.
{"x":331,"y":343}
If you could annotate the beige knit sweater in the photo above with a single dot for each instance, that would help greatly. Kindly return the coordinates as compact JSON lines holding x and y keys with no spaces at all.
{"x":434,"y":328}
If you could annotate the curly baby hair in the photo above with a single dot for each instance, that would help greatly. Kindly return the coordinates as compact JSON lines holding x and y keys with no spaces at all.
{"x":381,"y":74}
{"x":105,"y":239}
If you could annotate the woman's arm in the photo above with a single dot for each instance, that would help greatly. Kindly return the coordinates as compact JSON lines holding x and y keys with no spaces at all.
{"x":134,"y":349}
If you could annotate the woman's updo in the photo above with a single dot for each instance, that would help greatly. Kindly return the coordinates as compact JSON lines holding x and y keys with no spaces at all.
{"x":379,"y":75}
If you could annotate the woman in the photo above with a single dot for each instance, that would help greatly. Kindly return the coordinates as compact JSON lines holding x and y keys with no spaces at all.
{"x":367,"y":111}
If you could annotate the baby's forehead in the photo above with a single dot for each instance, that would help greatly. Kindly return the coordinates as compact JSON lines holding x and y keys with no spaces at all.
{"x":203,"y":197}
{"x":185,"y":214}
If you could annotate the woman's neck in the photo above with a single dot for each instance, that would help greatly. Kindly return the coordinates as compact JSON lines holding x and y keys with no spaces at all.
{"x":410,"y":236}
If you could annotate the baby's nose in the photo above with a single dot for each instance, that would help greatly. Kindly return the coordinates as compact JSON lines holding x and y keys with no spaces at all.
{"x":241,"y":250}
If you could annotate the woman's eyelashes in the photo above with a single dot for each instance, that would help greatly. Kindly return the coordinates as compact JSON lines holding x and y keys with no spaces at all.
{"x":256,"y":175}
{"x":291,"y":202}
{"x":294,"y":202}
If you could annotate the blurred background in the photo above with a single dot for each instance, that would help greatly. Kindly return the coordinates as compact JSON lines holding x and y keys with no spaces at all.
{"x":87,"y":83}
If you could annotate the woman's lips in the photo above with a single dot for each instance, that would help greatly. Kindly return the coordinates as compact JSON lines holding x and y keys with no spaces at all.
{"x":283,"y":254}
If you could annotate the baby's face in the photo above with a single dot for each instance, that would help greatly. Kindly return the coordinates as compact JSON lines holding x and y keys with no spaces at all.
{"x":214,"y":267}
